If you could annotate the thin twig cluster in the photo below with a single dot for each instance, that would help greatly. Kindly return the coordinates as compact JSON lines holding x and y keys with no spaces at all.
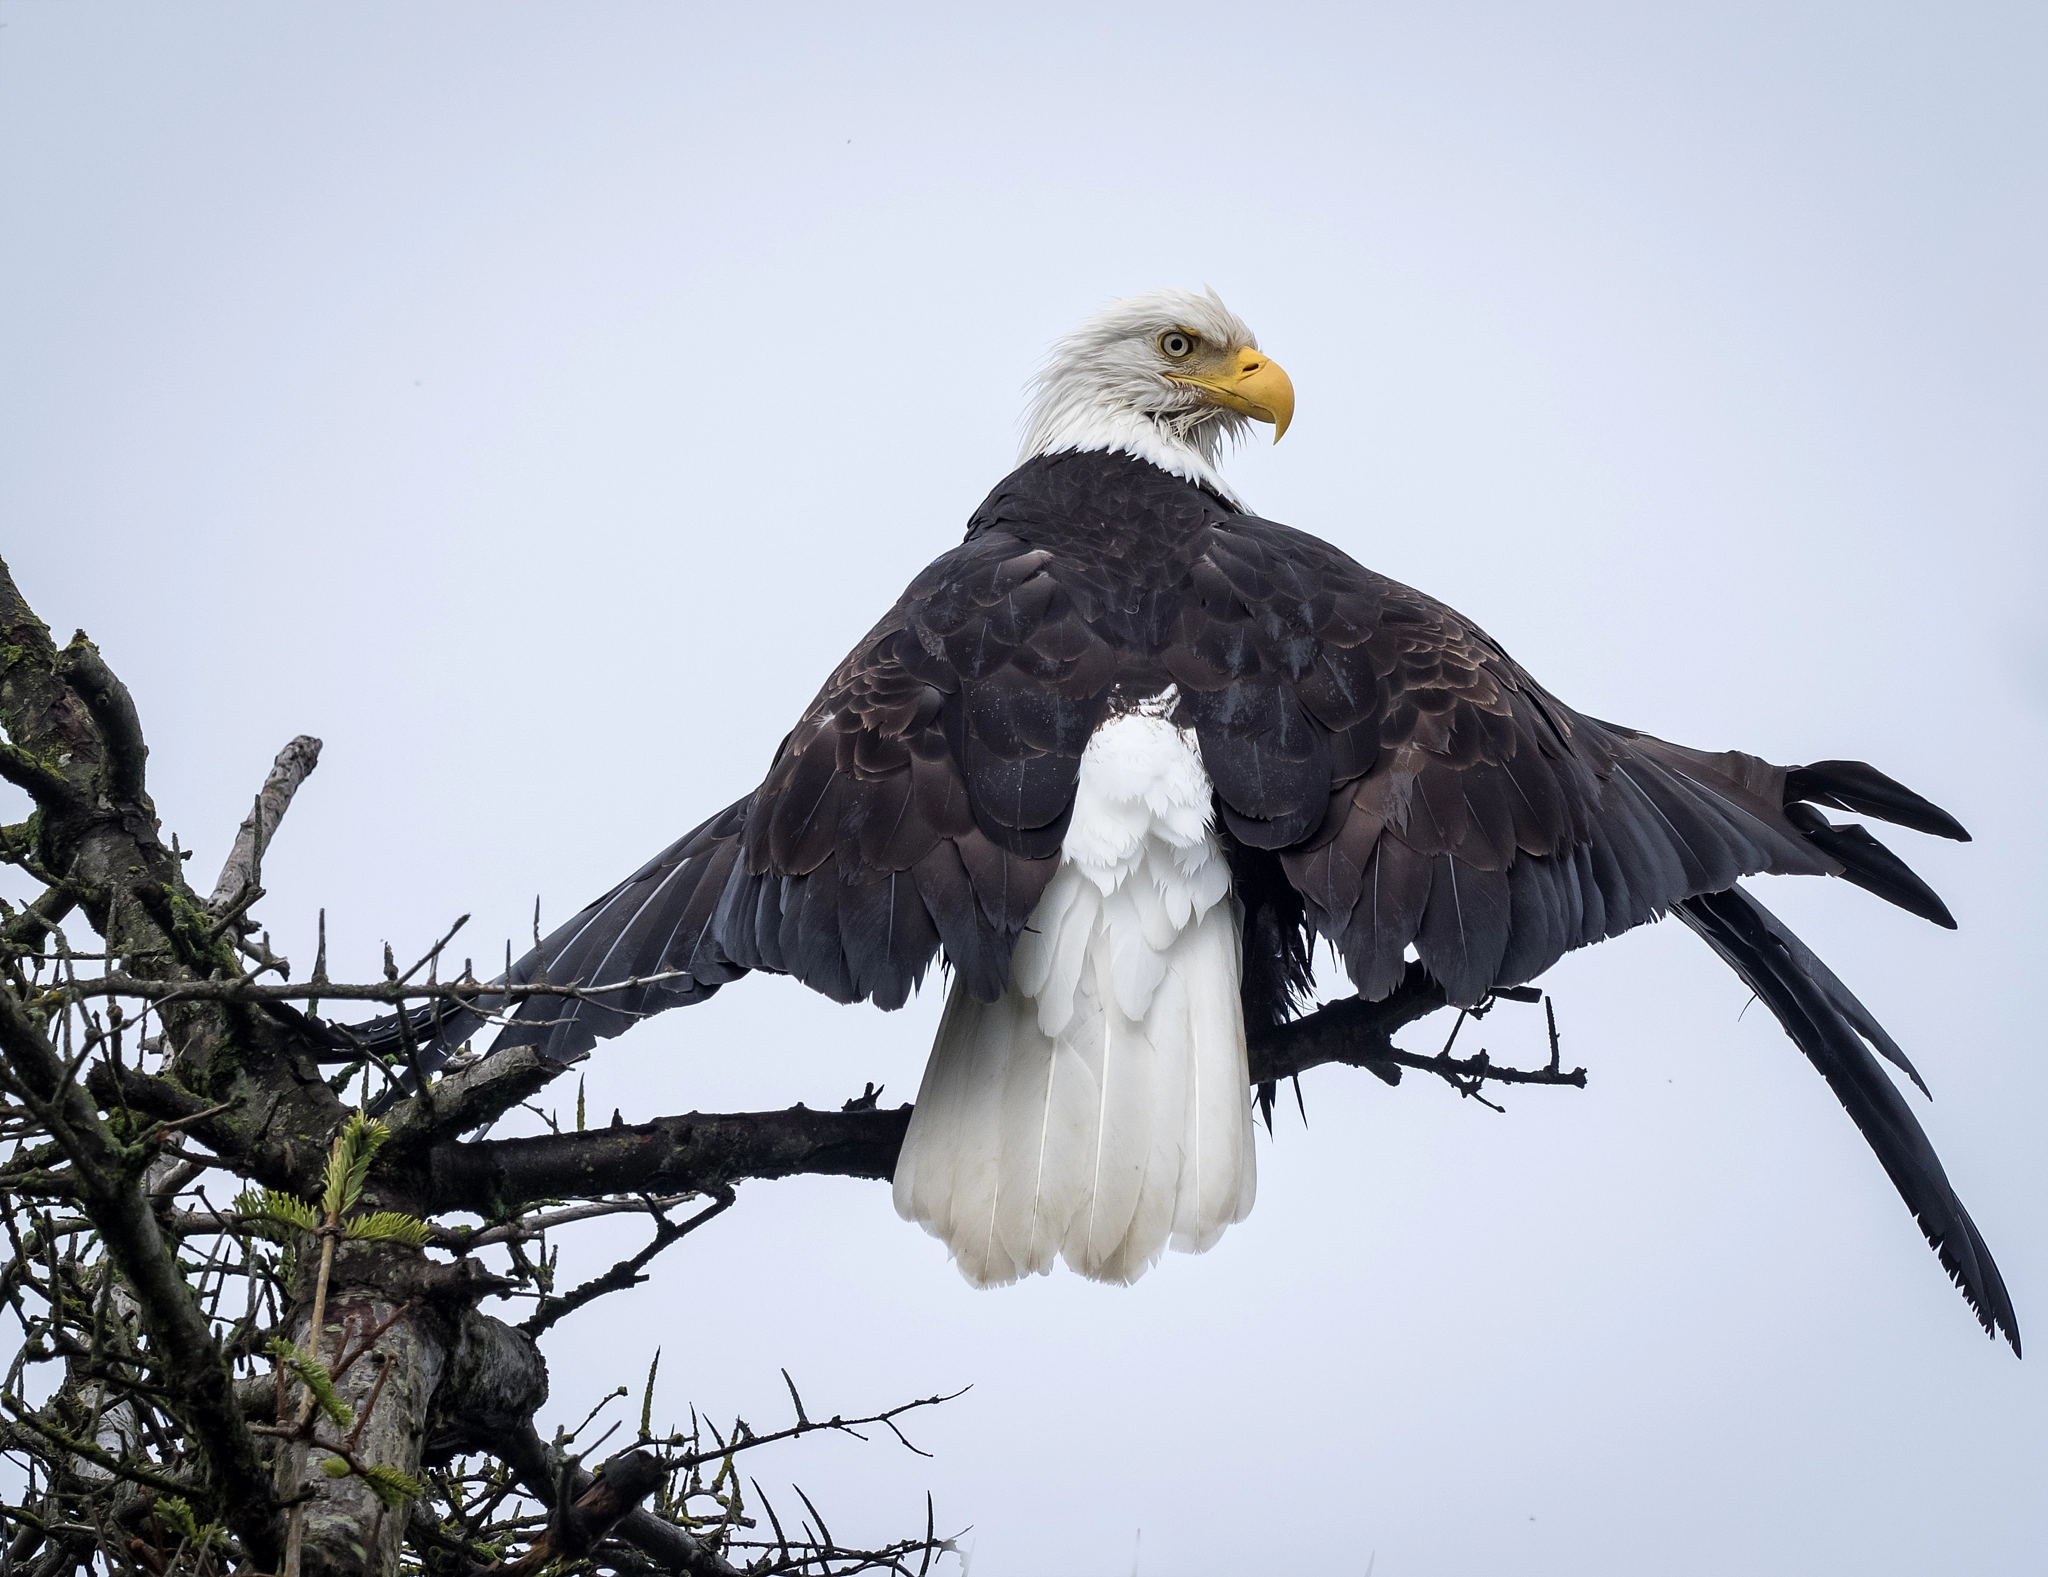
{"x":101,"y":1469}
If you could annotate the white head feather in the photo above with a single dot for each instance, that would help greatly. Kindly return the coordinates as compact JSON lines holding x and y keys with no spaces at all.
{"x":1105,"y":388}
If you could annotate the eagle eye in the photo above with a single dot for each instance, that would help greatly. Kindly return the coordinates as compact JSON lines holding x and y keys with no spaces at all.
{"x":1177,"y":344}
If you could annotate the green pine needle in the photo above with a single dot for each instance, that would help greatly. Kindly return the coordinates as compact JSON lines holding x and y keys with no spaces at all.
{"x":177,"y":1511}
{"x":313,"y":1375}
{"x":389,"y":1226}
{"x":647,"y":1399}
{"x":391,"y":1486}
{"x":275,"y":1209}
{"x":348,"y":1164}
{"x":388,"y":1484}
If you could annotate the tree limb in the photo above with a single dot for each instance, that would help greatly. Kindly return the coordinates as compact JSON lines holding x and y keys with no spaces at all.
{"x":1359,"y":1035}
{"x":44,"y":785}
{"x":693,"y":1153}
{"x":113,"y":713}
{"x":268,"y":1138}
{"x":56,"y":751}
{"x":39,"y":917}
{"x":1351,"y":1031}
{"x":467,"y":1097}
{"x":579,"y":1527}
{"x":468,"y":1239}
{"x":698,"y":1152}
{"x":627,"y":1272}
{"x":294,"y":764}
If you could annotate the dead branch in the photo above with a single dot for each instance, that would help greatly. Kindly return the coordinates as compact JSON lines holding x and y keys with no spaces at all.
{"x":627,"y":1272}
{"x":468,"y":1239}
{"x":543,"y":1470}
{"x":579,"y":1526}
{"x":1359,"y":1034}
{"x":693,"y":1153}
{"x":113,"y":713}
{"x":294,"y":764}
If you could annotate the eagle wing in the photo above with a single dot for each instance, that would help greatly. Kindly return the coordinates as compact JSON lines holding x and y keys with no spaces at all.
{"x":918,"y":804}
{"x":1467,"y":814}
{"x":1422,"y":791}
{"x":1418,"y":788}
{"x":922,"y":800}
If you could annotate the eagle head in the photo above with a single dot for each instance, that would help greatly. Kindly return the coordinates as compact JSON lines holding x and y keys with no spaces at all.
{"x":1165,"y":376}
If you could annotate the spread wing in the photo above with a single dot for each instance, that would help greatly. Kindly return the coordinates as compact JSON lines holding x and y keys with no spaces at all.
{"x":919,"y":803}
{"x":1419,"y":789}
{"x":1422,"y":791}
{"x":922,"y":799}
{"x":1469,"y":815}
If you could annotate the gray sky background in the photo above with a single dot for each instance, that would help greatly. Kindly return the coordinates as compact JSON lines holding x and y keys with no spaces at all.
{"x":536,"y":401}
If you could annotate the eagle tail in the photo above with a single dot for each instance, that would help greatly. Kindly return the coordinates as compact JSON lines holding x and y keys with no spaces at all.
{"x":1100,"y":1110}
{"x":1828,"y":1023}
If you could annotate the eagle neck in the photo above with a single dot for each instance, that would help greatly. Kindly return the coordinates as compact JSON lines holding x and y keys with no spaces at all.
{"x":1176,"y":445}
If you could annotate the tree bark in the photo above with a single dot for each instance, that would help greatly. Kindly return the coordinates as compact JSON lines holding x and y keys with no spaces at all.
{"x":692,"y":1153}
{"x":398,"y":1328}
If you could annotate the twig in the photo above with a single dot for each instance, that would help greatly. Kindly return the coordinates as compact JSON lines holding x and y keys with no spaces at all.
{"x":806,"y":1426}
{"x":626,"y":1273}
{"x":468,"y":1239}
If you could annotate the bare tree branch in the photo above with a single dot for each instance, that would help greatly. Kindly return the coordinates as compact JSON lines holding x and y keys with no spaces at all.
{"x":694,"y":1153}
{"x":627,"y":1272}
{"x":1359,"y":1034}
{"x":579,"y":1526}
{"x":294,"y":764}
{"x":467,"y":1096}
{"x":469,"y":1239}
{"x":113,"y":714}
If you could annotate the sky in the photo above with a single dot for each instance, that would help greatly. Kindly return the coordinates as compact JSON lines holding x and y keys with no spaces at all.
{"x":535,"y":402}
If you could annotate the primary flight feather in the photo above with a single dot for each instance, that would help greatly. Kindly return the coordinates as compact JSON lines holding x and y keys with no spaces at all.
{"x":1123,"y":752}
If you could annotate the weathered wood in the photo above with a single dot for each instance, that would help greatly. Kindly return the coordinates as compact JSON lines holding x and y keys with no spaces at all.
{"x":294,"y":764}
{"x":540,"y":1469}
{"x":387,"y":1339}
{"x":494,"y":1382}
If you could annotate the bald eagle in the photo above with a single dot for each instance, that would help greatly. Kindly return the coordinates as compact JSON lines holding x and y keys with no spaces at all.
{"x":1124,"y":752}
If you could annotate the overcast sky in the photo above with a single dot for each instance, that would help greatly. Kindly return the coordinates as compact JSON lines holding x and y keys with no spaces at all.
{"x":535,"y":402}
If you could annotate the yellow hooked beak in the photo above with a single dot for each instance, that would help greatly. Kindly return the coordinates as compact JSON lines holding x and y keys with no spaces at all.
{"x":1249,"y":383}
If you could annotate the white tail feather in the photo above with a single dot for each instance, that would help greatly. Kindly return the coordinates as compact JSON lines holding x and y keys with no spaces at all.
{"x":1100,"y":1111}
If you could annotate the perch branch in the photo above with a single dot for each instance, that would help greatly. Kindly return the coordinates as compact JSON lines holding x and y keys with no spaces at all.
{"x":697,"y":1152}
{"x":693,"y":1153}
{"x":1359,"y":1034}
